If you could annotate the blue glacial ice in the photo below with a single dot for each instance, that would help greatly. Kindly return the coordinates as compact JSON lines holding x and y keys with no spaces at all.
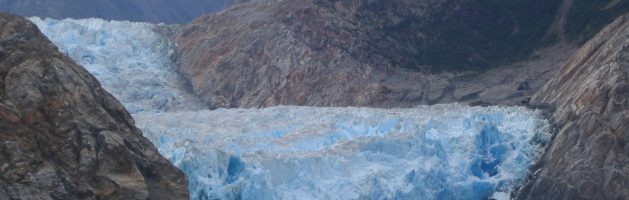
{"x":130,"y":59}
{"x":428,"y":152}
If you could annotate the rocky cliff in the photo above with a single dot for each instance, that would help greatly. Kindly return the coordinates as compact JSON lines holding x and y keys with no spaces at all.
{"x":589,"y":158}
{"x":166,"y":11}
{"x":62,"y":136}
{"x":384,"y":53}
{"x":368,"y":53}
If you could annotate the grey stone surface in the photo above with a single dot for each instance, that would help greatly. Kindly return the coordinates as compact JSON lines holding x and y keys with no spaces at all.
{"x":346,"y":53}
{"x":62,"y":136}
{"x":589,"y":158}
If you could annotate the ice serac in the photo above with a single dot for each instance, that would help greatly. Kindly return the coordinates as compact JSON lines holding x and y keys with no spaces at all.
{"x":428,"y":152}
{"x":130,"y":59}
{"x":590,"y":94}
{"x":62,"y":136}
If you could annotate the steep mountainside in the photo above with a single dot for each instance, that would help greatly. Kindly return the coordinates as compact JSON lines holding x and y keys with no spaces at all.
{"x":167,"y":11}
{"x":589,"y":158}
{"x":62,"y":136}
{"x":586,"y":18}
{"x":442,"y":34}
{"x":368,"y":53}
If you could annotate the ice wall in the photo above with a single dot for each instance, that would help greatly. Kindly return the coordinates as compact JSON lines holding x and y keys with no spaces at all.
{"x":130,"y":60}
{"x":437,"y":152}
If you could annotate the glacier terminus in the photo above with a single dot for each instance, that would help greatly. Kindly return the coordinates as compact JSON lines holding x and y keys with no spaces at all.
{"x":288,"y":152}
{"x":433,"y":152}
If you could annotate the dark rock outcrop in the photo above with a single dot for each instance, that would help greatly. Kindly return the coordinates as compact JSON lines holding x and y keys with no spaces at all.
{"x":366,"y":53}
{"x":586,"y":18}
{"x":166,"y":11}
{"x":62,"y":136}
{"x":589,"y":158}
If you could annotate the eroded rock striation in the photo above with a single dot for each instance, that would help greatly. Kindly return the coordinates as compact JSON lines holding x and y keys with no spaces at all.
{"x":589,"y":158}
{"x":62,"y":136}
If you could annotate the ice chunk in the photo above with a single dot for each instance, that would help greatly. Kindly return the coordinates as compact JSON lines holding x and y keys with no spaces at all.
{"x":428,"y":152}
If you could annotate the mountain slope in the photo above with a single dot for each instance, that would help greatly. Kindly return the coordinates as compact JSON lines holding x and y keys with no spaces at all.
{"x":63,"y":136}
{"x":453,"y":34}
{"x":588,"y":159}
{"x":586,"y":18}
{"x":166,"y":11}
{"x":365,"y":53}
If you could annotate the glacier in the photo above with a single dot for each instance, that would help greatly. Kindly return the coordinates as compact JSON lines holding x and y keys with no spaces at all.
{"x":130,"y":59}
{"x":428,"y":152}
{"x":288,"y":152}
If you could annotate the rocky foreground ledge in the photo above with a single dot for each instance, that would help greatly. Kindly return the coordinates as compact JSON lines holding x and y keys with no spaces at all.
{"x":62,"y":136}
{"x":589,"y":158}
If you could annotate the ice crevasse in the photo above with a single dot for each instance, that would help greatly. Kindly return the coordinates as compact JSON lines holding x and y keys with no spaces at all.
{"x":287,"y":152}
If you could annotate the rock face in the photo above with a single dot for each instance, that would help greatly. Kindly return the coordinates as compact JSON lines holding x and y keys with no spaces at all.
{"x":62,"y":136}
{"x":365,"y":53}
{"x":167,"y":11}
{"x":589,"y":158}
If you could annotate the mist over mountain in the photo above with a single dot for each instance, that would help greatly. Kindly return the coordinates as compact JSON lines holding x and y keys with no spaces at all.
{"x":166,"y":11}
